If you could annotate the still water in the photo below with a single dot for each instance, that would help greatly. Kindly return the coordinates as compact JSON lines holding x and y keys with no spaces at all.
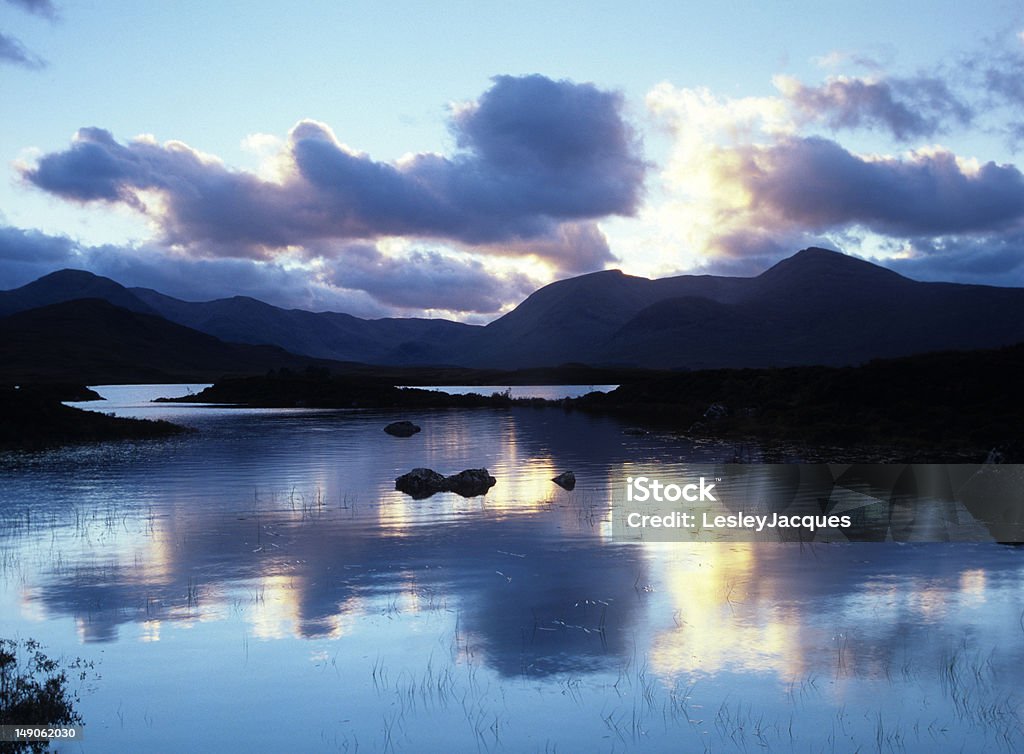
{"x":259,"y":585}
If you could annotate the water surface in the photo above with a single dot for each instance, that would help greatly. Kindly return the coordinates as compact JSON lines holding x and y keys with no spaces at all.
{"x":259,"y":585}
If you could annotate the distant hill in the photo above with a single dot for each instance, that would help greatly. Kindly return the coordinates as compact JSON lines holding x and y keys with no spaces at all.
{"x":327,"y":335}
{"x":816,"y":307}
{"x":69,"y":285}
{"x":98,"y":343}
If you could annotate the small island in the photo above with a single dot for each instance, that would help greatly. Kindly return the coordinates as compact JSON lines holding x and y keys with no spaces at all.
{"x":318,"y":388}
{"x":34,"y":418}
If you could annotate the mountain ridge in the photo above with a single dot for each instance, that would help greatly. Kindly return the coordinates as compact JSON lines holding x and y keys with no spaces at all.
{"x":815,"y":307}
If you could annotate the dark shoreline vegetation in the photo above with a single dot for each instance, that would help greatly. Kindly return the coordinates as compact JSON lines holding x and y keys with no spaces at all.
{"x":318,"y":388}
{"x":939,"y":407}
{"x":946,"y":407}
{"x":32,"y":417}
{"x":35,"y":691}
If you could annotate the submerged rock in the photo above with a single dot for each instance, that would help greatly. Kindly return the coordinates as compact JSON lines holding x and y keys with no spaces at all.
{"x":470,"y":482}
{"x":567,"y":480}
{"x":422,"y":483}
{"x":402,"y":429}
{"x":716,"y":411}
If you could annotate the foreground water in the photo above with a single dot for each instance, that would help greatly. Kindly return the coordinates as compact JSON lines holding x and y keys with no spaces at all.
{"x":259,"y":585}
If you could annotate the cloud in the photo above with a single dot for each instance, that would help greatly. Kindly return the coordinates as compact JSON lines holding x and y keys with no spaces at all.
{"x":747,"y":184}
{"x":533,"y":154}
{"x":28,"y":254}
{"x":19,"y":245}
{"x":989,"y":259}
{"x":356,"y":278}
{"x":426,"y":280}
{"x":577,"y":247}
{"x":289,"y":287}
{"x":905,"y":107}
{"x":43,"y":8}
{"x":817,"y":184}
{"x":12,"y":52}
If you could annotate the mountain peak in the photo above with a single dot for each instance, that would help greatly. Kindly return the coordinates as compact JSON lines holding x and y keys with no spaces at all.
{"x":68,"y":285}
{"x":70,"y":275}
{"x":815,"y":264}
{"x":818,"y":251}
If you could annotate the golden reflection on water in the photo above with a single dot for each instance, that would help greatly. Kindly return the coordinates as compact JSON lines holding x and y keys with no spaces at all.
{"x":724,"y":617}
{"x":730,"y":613}
{"x":523,"y":487}
{"x":150,"y":631}
{"x":275,"y":614}
{"x":973,"y":583}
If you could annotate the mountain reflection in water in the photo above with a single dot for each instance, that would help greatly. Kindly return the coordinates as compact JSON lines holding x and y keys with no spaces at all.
{"x":265,"y":568}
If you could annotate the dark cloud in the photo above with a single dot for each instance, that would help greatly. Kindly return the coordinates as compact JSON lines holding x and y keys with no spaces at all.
{"x":13,"y":52}
{"x":577,"y":247}
{"x":17,"y":245}
{"x":560,"y":149}
{"x":28,"y":254}
{"x":818,"y":185}
{"x":426,"y":279}
{"x":357,"y":278}
{"x":905,"y":107}
{"x":998,"y":70}
{"x":208,"y":279}
{"x":749,"y":251}
{"x":1015,"y":135}
{"x":991,"y":259}
{"x":43,"y":8}
{"x":1007,"y":81}
{"x":533,"y":155}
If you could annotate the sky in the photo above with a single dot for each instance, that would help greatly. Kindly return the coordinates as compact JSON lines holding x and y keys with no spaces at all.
{"x":446,"y":159}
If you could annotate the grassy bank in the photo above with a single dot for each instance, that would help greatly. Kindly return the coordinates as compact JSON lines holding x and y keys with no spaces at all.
{"x":33,"y":417}
{"x":942,"y":406}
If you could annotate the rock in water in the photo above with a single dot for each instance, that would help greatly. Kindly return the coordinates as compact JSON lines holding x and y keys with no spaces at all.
{"x":420,"y":483}
{"x":470,"y":482}
{"x":402,"y":429}
{"x":716,"y":411}
{"x":566,"y":481}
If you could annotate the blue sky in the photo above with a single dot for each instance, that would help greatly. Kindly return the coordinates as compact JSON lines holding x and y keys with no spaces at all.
{"x":445,"y":159}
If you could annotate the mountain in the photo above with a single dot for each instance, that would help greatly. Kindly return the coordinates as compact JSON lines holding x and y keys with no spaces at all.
{"x":327,"y":335}
{"x":573,"y":320}
{"x":100,"y":343}
{"x":820,"y":307}
{"x":68,"y":285}
{"x":816,"y":307}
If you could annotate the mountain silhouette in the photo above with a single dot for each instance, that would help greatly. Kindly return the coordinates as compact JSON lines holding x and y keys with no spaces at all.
{"x":328,"y":335}
{"x":816,"y":307}
{"x":69,"y":285}
{"x":97,"y":342}
{"x":820,"y":307}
